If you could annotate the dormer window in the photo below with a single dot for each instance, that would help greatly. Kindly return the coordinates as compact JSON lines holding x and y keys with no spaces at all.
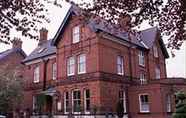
{"x":157,"y":72}
{"x":141,"y":58}
{"x":76,"y":34}
{"x":155,"y":51}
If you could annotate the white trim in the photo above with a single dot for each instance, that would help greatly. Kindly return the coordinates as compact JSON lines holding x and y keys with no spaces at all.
{"x":84,"y":95}
{"x":40,"y":60}
{"x":121,"y":64}
{"x":82,"y":72}
{"x":65,"y":108}
{"x":141,"y":105}
{"x":73,"y":101}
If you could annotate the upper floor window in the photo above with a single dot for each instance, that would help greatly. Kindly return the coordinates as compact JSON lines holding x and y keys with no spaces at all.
{"x":122,"y":99}
{"x":155,"y":51}
{"x":120,"y":69}
{"x":157,"y":72}
{"x":76,"y":34}
{"x":168,"y":105}
{"x":76,"y":101}
{"x":141,"y":58}
{"x":142,"y":78}
{"x":81,"y":64}
{"x":54,"y":71}
{"x":36,"y":74}
{"x":70,"y":66}
{"x":87,"y":100}
{"x":144,"y":103}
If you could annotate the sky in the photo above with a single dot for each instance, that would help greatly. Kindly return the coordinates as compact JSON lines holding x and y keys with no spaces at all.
{"x":176,"y":67}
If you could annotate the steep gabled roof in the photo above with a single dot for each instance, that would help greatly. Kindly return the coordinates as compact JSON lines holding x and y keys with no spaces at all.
{"x":145,"y":40}
{"x":43,"y":50}
{"x":8,"y":52}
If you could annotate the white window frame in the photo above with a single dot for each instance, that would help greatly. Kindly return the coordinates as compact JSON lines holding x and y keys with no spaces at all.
{"x":81,"y":64}
{"x":71,"y":62}
{"x":36,"y":74}
{"x":76,"y":34}
{"x":120,"y":64}
{"x":124,"y":100}
{"x":155,"y":51}
{"x":168,"y":103}
{"x":65,"y":102}
{"x":54,"y":71}
{"x":141,"y":56}
{"x":85,"y":101}
{"x":34,"y":106}
{"x":142,"y":78}
{"x":77,"y":90}
{"x":157,"y":73}
{"x":140,"y":104}
{"x":59,"y":106}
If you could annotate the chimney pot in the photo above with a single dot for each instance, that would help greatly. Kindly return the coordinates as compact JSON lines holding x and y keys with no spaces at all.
{"x":17,"y":43}
{"x":43,"y":35}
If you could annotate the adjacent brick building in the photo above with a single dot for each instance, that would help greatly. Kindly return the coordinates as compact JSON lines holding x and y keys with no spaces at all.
{"x":88,"y":68}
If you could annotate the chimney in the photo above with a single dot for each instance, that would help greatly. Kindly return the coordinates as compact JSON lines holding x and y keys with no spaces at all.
{"x":125,"y":22}
{"x":43,"y":35}
{"x":17,"y":43}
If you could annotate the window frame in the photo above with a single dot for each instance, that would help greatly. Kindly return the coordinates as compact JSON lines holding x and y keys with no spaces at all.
{"x":54,"y":71}
{"x":123,"y":99}
{"x":157,"y":72}
{"x":80,"y":63}
{"x":155,"y":51}
{"x":37,"y":74}
{"x":120,"y":65}
{"x":77,"y":100}
{"x":66,"y":107}
{"x":85,"y":101}
{"x":143,"y":79}
{"x":76,"y":34}
{"x":140,"y":103}
{"x":71,"y":66}
{"x":141,"y":58}
{"x":168,"y":103}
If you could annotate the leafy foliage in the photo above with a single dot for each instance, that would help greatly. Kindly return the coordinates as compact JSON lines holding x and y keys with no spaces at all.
{"x":11,"y":89}
{"x":180,"y":105}
{"x":23,"y":15}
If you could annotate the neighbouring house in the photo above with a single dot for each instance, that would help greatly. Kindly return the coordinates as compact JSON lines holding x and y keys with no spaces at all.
{"x":88,"y":68}
{"x":11,"y":64}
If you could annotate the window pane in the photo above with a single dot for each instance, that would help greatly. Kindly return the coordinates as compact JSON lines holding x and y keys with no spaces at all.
{"x":120,"y":65}
{"x":76,"y":34}
{"x":82,"y":63}
{"x":71,"y":66}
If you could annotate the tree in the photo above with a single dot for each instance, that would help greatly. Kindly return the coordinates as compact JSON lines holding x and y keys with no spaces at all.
{"x":11,"y":89}
{"x":180,"y":105}
{"x":120,"y":109}
{"x":168,"y":15}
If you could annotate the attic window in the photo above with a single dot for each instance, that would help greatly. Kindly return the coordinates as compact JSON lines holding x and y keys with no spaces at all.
{"x":40,"y":50}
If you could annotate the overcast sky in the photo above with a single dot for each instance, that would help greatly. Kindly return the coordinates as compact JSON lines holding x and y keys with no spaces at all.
{"x":176,"y":67}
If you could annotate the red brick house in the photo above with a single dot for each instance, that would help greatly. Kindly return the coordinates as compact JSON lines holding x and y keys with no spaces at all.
{"x":88,"y":68}
{"x":12,"y":58}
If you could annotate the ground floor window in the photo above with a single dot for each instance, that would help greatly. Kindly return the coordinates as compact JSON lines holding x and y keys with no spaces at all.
{"x":66,"y":102}
{"x":76,"y":101}
{"x":168,"y":101}
{"x":34,"y":104}
{"x":144,"y":103}
{"x":87,"y":100}
{"x":122,"y":99}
